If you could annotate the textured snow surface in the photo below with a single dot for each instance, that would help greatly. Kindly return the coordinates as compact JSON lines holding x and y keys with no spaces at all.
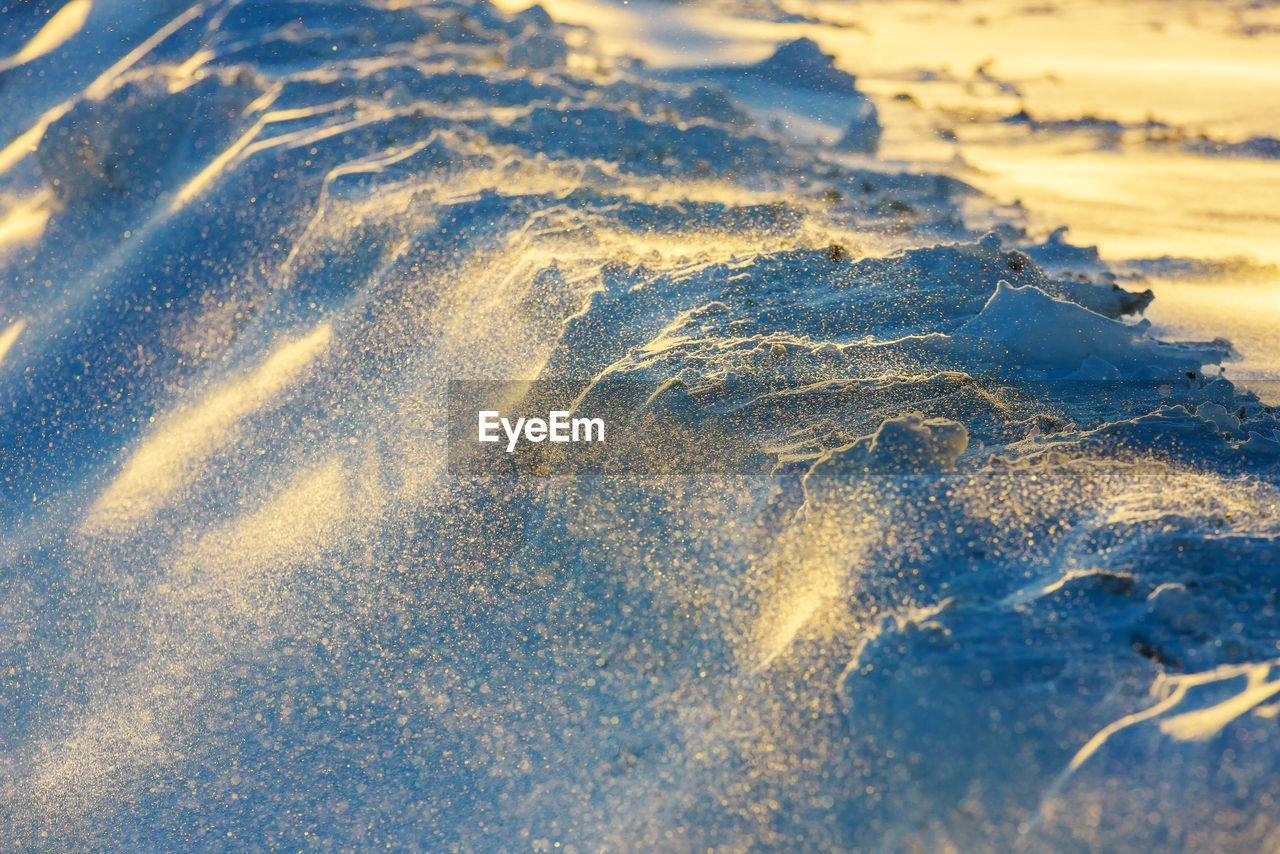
{"x":1012,"y":584}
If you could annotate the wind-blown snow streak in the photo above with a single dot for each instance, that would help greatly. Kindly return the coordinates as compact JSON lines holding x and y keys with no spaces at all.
{"x":8,"y":337}
{"x":64,"y":24}
{"x":171,"y":456}
{"x":223,"y":592}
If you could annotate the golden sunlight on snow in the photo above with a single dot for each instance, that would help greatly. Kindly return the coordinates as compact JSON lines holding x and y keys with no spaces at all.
{"x":8,"y":337}
{"x":63,"y":25}
{"x":170,"y":457}
{"x":943,"y":74}
{"x":234,"y":576}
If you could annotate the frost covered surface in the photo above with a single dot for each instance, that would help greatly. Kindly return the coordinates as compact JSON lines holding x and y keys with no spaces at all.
{"x":1012,"y":582}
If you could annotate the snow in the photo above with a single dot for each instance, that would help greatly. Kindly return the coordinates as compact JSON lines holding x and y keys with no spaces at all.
{"x":1041,"y":330}
{"x":925,"y":539}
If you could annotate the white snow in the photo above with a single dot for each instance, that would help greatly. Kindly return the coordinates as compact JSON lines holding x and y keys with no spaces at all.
{"x":990,"y":565}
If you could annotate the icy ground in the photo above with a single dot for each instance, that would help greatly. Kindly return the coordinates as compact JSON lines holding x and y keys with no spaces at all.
{"x":1011,"y":586}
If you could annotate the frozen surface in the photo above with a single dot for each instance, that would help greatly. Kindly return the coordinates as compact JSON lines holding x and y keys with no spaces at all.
{"x":1011,"y":585}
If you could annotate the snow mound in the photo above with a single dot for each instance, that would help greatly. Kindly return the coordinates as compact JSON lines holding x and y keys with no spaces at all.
{"x":1044,"y":331}
{"x":245,"y":604}
{"x":802,"y":64}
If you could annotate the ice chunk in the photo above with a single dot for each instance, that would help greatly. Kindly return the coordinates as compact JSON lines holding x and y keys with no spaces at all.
{"x":1218,"y":415}
{"x":802,"y":64}
{"x":1045,"y":331}
{"x":863,"y":133}
{"x":908,"y":443}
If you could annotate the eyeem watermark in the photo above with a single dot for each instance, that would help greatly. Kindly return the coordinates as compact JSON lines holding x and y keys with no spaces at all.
{"x":558,"y":426}
{"x":773,"y":424}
